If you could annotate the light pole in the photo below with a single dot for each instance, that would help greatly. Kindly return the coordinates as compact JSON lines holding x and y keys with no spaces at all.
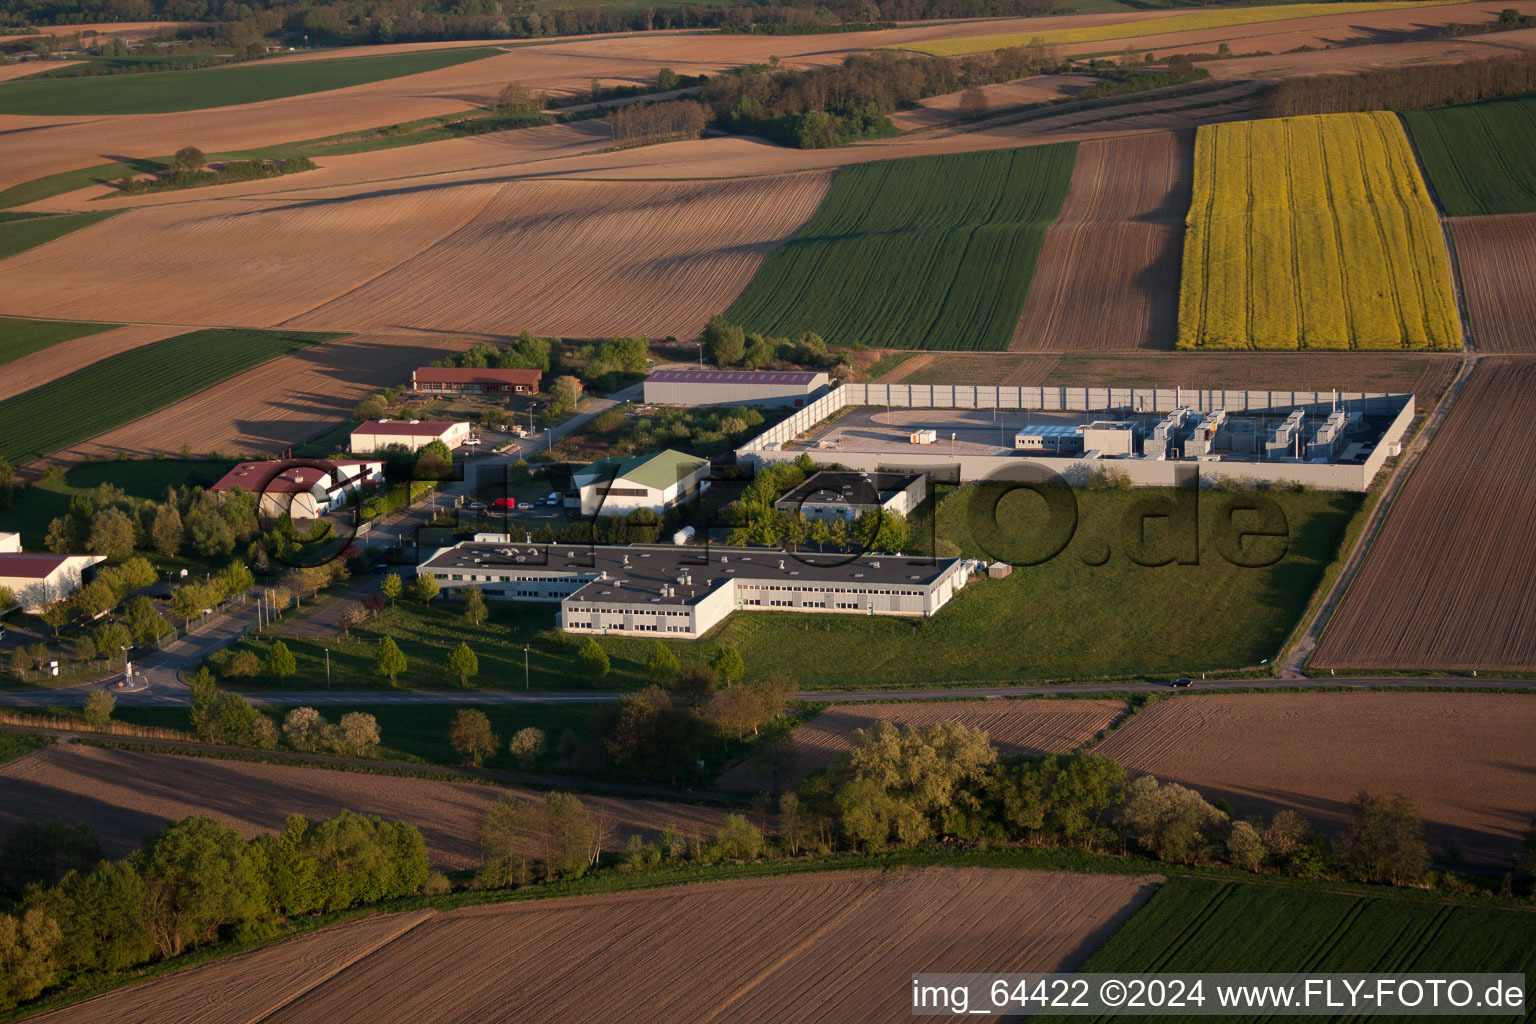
{"x":525,"y":668}
{"x":327,"y":668}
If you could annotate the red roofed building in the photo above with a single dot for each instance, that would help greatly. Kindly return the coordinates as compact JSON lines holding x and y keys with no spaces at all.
{"x":302,"y":489}
{"x":376,"y":435}
{"x":40,"y":579}
{"x":453,"y":380}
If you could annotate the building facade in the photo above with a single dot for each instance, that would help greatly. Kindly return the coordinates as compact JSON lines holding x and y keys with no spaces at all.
{"x":684,"y":592}
{"x":453,"y":380}
{"x":703,"y":386}
{"x":377,"y":435}
{"x":41,"y":579}
{"x":656,"y":482}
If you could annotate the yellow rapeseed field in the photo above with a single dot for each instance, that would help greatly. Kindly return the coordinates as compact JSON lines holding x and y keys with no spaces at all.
{"x":1194,"y":21}
{"x":1316,"y":233}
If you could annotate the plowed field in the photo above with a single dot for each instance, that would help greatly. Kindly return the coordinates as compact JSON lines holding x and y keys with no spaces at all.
{"x":826,"y":947}
{"x":1447,"y":582}
{"x":1013,"y":726}
{"x":578,"y":259}
{"x":126,"y":795}
{"x":1109,"y":270}
{"x":1495,"y":255}
{"x":1465,"y":759}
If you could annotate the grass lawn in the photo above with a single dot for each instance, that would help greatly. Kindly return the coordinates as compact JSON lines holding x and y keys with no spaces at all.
{"x":170,"y":91}
{"x":131,"y":384}
{"x":23,"y":337}
{"x":20,"y":235}
{"x":1064,"y":619}
{"x":1201,"y":925}
{"x":16,"y":745}
{"x":38,"y":504}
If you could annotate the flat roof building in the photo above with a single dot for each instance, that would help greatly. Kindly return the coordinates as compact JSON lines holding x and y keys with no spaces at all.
{"x":40,"y":579}
{"x":376,"y":435}
{"x":454,"y":380}
{"x":702,"y":386}
{"x":830,"y":494}
{"x":684,"y":592}
{"x":656,"y":482}
{"x":10,"y":542}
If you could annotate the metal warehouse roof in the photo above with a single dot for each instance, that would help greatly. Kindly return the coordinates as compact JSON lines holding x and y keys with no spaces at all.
{"x":658,"y":471}
{"x":1048,"y":430}
{"x":406,"y":428}
{"x":30,"y":566}
{"x":457,"y":375}
{"x":702,"y":376}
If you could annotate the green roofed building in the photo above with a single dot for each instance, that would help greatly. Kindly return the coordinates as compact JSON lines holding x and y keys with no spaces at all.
{"x":656,"y":482}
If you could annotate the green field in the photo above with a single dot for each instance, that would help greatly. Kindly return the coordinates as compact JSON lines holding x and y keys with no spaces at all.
{"x":171,"y":91}
{"x":1479,"y":158}
{"x":1063,"y":619}
{"x":16,"y":745}
{"x":20,"y":235}
{"x":133,"y":384}
{"x":1201,"y":925}
{"x":38,"y":504}
{"x":925,"y":252}
{"x":23,"y":337}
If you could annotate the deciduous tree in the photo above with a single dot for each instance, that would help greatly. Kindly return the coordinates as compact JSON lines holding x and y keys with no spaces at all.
{"x":527,"y":746}
{"x":462,"y":664}
{"x":470,"y":734}
{"x":390,"y":661}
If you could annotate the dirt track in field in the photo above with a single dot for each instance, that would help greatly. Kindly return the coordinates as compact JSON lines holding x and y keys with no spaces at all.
{"x":1495,"y":255}
{"x":39,"y":368}
{"x":1465,"y":759}
{"x":126,"y":795}
{"x":1447,"y":582}
{"x":1013,"y":726}
{"x":764,"y":950}
{"x":567,"y":258}
{"x":1108,"y":277}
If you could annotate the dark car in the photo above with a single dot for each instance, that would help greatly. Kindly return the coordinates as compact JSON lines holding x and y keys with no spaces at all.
{"x":1182,"y":682}
{"x":379,"y":570}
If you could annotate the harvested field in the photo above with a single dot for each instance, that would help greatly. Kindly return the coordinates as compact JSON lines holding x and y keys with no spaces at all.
{"x":246,"y":987}
{"x":126,"y":795}
{"x":775,"y":946}
{"x":279,"y":404}
{"x":654,"y":258}
{"x":1109,"y":270}
{"x":1014,"y":727}
{"x":1495,"y":256}
{"x":945,"y":109}
{"x":1466,"y":759}
{"x":21,"y":69}
{"x":1277,"y":206}
{"x":974,"y":368}
{"x":1447,"y":582}
{"x":65,"y":357}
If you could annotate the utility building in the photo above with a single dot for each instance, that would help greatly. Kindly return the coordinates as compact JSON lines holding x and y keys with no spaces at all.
{"x":656,"y":482}
{"x":453,"y":380}
{"x":641,"y":590}
{"x":377,"y":435}
{"x":302,"y":489}
{"x":687,"y":386}
{"x":41,"y":579}
{"x":837,"y":495}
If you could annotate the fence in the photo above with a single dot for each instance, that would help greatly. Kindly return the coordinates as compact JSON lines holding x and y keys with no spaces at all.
{"x":768,"y":447}
{"x":146,"y":732}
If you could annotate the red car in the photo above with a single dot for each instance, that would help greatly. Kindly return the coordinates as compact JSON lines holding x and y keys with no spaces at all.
{"x":504,"y":503}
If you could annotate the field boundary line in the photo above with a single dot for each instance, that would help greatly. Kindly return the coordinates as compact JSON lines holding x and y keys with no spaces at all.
{"x":1311,"y":633}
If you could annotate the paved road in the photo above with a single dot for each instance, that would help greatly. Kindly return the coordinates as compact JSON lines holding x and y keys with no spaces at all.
{"x":175,"y":694}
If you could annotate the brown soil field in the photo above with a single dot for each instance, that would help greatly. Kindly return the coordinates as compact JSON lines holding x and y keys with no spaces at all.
{"x":39,"y":368}
{"x":21,"y":69}
{"x":1465,"y":759}
{"x":566,"y":258}
{"x":127,"y":31}
{"x":1447,"y":582}
{"x":1108,"y":276}
{"x":1495,"y":256}
{"x":278,"y":404}
{"x":945,"y":109}
{"x":126,"y":795}
{"x":835,"y":946}
{"x":247,"y":987}
{"x":1014,"y":727}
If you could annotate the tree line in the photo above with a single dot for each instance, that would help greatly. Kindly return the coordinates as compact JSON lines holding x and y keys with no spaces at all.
{"x":1414,"y":87}
{"x":727,"y":344}
{"x":642,"y":124}
{"x":72,"y":916}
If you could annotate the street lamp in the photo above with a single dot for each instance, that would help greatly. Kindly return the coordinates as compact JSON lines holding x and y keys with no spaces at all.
{"x":525,"y":667}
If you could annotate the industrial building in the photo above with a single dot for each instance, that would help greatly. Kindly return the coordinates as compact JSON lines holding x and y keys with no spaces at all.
{"x":40,"y":579}
{"x":453,"y":380}
{"x":837,"y":495}
{"x":701,"y":386}
{"x":302,"y":489}
{"x":10,"y":542}
{"x":377,"y":435}
{"x":656,"y":482}
{"x":684,"y":592}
